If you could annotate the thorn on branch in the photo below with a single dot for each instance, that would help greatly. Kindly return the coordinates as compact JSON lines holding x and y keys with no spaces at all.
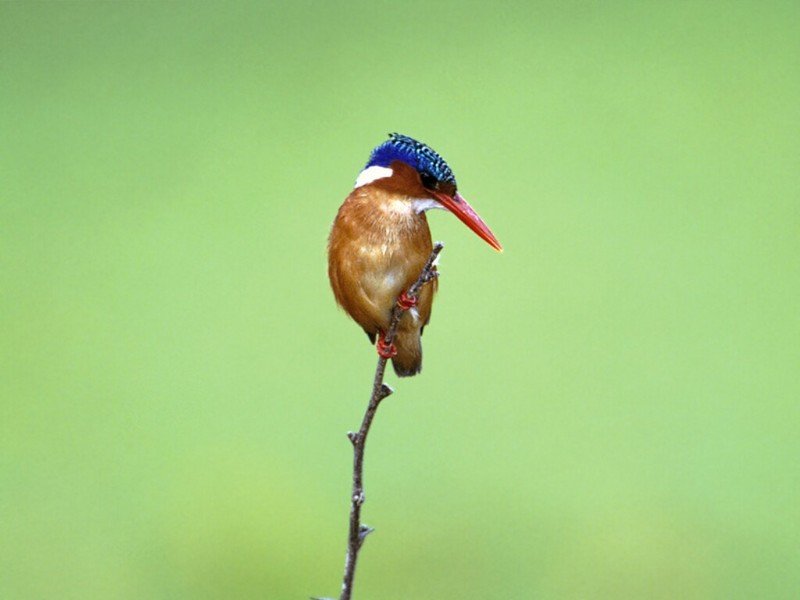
{"x":386,"y":391}
{"x":363,"y":532}
{"x":353,"y":437}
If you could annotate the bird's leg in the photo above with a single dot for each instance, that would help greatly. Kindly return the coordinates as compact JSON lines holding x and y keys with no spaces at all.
{"x":405,"y":301}
{"x":385,"y":350}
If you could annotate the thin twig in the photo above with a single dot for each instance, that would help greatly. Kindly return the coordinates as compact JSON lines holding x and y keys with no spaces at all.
{"x":359,"y":531}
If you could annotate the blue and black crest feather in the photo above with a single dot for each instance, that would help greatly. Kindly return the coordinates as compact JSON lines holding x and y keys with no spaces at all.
{"x":420,"y":156}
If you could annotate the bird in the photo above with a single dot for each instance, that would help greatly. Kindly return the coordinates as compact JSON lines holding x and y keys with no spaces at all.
{"x":380,"y":241}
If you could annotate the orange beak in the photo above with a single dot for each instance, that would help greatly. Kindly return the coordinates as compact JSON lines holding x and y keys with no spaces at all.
{"x":461,"y":208}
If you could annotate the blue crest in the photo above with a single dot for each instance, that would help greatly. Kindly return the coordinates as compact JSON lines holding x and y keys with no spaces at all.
{"x":420,"y":156}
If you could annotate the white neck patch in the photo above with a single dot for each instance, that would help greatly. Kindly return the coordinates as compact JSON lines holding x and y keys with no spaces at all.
{"x":371,"y":174}
{"x":425,"y":204}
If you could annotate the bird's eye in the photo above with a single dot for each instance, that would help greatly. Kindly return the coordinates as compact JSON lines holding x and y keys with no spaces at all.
{"x":428,"y":180}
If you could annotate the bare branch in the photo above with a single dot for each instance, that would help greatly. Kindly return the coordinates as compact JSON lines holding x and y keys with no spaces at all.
{"x":380,"y":391}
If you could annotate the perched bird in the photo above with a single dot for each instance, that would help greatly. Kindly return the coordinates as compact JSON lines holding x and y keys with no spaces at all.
{"x":380,"y":241}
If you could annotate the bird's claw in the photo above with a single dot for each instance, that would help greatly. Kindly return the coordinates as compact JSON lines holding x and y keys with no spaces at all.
{"x":386,"y":350}
{"x":406,"y":302}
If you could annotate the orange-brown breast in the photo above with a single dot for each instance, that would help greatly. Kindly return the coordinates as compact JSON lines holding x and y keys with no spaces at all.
{"x":377,"y":248}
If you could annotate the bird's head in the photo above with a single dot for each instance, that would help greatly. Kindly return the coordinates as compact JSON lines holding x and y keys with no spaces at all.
{"x":415,"y":170}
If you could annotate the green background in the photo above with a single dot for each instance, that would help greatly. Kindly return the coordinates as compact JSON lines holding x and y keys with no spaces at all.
{"x":608,"y":409}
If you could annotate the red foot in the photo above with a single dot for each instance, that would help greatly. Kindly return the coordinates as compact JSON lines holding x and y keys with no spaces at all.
{"x":405,"y":302}
{"x":385,"y":350}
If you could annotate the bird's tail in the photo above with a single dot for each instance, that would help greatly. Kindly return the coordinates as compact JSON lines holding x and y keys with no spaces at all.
{"x":408,"y":360}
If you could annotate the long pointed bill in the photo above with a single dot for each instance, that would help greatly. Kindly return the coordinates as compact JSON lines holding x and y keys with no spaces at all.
{"x":460,"y":208}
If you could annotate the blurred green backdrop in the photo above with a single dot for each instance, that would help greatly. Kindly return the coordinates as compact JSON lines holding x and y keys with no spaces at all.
{"x":608,"y":410}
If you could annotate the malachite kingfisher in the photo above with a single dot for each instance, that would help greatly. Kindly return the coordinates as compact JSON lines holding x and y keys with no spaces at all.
{"x":380,"y":241}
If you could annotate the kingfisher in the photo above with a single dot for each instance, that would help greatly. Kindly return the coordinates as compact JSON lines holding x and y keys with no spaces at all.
{"x":380,"y":241}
